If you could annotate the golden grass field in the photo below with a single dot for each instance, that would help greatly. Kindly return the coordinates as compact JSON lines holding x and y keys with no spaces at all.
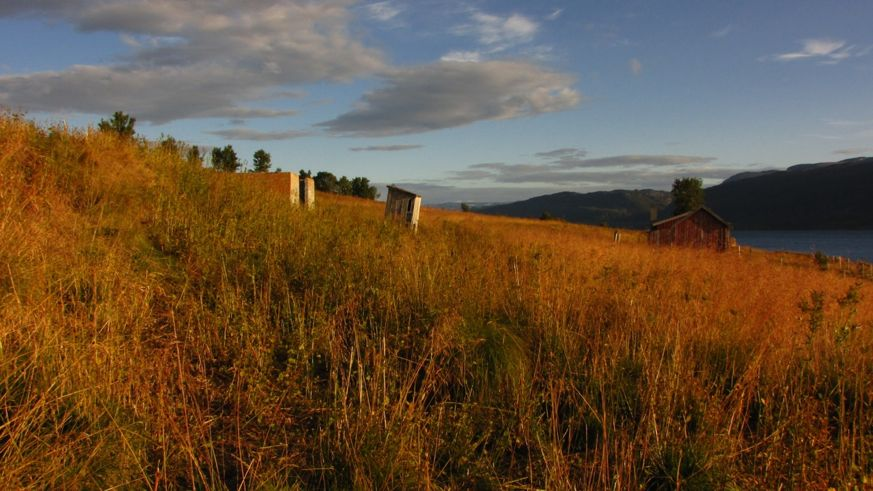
{"x":165,"y":326}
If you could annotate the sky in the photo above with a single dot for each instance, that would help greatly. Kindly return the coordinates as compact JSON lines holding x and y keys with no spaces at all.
{"x":476,"y":101}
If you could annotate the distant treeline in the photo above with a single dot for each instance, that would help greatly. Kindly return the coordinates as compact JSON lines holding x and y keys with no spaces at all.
{"x":356,"y":186}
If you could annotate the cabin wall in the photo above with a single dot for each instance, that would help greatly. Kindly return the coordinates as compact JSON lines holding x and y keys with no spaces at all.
{"x":698,"y":230}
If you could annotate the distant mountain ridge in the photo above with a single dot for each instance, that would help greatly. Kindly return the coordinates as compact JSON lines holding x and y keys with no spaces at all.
{"x":459,"y":205}
{"x":820,"y":196}
{"x":793,"y":168}
{"x":823,"y":196}
{"x":620,"y":208}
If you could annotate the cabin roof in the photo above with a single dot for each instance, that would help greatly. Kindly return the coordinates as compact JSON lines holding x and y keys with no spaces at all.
{"x":689,"y":214}
{"x":394,"y":188}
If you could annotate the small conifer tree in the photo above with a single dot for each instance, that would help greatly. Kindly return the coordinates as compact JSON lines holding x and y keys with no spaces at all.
{"x":261,"y":161}
{"x":120,"y":123}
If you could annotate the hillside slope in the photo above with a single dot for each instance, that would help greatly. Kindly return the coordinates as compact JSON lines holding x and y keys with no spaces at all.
{"x":625,"y":209}
{"x":833,"y":196}
{"x":165,"y":326}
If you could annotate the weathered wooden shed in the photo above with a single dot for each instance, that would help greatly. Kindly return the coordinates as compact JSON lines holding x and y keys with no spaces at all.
{"x":697,"y":228}
{"x":403,"y":205}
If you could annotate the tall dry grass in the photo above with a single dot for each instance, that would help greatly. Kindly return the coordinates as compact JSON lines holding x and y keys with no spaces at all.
{"x":164,"y":326}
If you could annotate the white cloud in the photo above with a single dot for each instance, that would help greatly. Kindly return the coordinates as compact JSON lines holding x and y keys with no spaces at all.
{"x":814,"y":47}
{"x":555,"y":14}
{"x":827,"y":51}
{"x":199,"y":58}
{"x":635,"y":66}
{"x":497,"y":32}
{"x":463,"y":56}
{"x":448,"y":94}
{"x":383,"y":11}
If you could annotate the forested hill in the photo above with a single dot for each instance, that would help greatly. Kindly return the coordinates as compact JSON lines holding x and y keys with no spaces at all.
{"x":621,"y":208}
{"x":822,"y":196}
{"x":831,"y":195}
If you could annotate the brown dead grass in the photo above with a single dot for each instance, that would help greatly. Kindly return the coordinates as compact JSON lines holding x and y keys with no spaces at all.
{"x":166,"y":326}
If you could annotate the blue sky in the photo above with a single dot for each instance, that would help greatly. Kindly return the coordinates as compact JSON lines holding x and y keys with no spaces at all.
{"x":462,"y":100}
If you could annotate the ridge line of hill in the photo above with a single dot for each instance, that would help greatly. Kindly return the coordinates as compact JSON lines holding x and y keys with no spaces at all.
{"x":821,"y":196}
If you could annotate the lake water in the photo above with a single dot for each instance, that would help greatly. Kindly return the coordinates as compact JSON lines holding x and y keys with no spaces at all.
{"x":853,"y":244}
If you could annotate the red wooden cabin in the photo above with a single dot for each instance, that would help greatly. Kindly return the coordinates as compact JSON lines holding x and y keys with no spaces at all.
{"x":697,"y":228}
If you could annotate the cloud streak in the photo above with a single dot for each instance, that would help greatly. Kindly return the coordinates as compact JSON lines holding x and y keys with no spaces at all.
{"x":464,"y":56}
{"x":562,"y":153}
{"x":499,"y":32}
{"x":255,"y":135}
{"x":447,"y":94}
{"x":569,"y":166}
{"x":854,"y":152}
{"x":383,"y":11}
{"x":441,"y":193}
{"x":555,"y":14}
{"x":386,"y":148}
{"x":827,"y":51}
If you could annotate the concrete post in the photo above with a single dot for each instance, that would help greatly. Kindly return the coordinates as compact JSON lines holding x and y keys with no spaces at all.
{"x":413,"y":216}
{"x":307,"y":192}
{"x":294,"y":188}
